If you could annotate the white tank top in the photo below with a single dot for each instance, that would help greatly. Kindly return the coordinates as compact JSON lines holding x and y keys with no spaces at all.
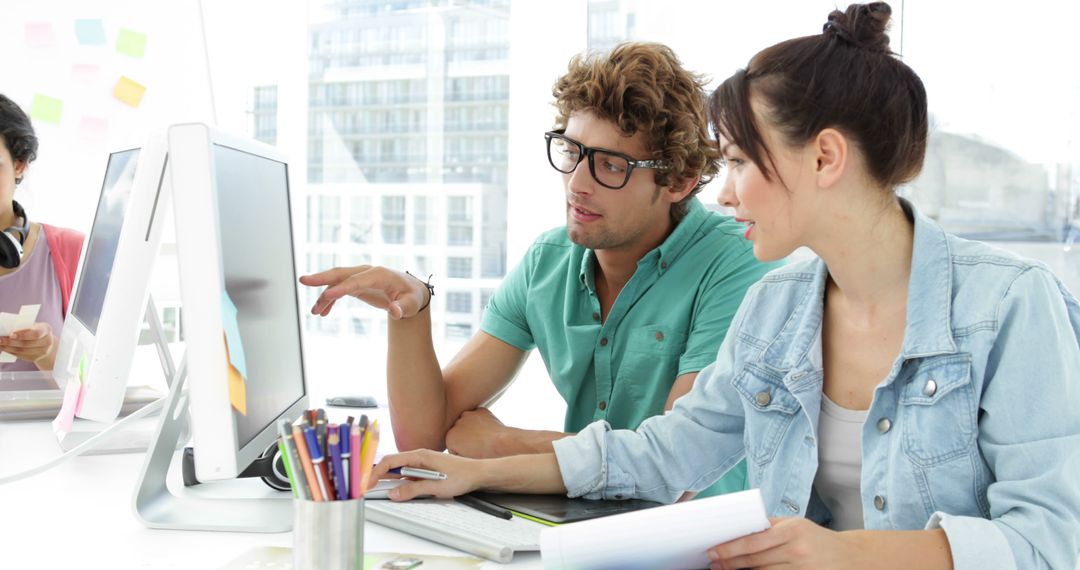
{"x":838,"y":479}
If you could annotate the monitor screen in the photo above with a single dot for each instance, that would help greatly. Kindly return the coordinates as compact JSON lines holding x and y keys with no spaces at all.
{"x":256,"y":232}
{"x":104,"y":237}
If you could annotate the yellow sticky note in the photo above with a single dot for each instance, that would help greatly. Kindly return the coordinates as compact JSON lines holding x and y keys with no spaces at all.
{"x":46,"y":109}
{"x":128,"y":91}
{"x":130,"y":42}
{"x":237,"y":386}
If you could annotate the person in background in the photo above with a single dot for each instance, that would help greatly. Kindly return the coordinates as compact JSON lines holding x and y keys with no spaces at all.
{"x":37,"y":261}
{"x":905,"y":400}
{"x":626,"y":303}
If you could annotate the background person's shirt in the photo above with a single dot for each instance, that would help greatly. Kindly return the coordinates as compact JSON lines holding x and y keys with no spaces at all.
{"x":33,"y":282}
{"x":669,"y":319}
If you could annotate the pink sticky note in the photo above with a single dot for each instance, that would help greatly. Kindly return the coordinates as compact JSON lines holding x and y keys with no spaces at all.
{"x":71,"y":405}
{"x":85,"y":73}
{"x":93,"y":127}
{"x":39,"y":34}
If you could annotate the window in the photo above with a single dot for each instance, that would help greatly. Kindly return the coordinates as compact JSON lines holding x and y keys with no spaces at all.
{"x":423,"y":220}
{"x":329,"y":218}
{"x":459,"y":267}
{"x":459,"y":225}
{"x":459,"y":302}
{"x":393,"y":219}
{"x":458,"y":331}
{"x":361,"y":220}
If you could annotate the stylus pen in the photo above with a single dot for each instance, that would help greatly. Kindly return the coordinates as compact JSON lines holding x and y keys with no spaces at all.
{"x":484,"y":507}
{"x":417,"y":473}
{"x":317,"y":462}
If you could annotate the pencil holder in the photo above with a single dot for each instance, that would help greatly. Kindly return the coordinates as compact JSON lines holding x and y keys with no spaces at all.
{"x":328,"y":535}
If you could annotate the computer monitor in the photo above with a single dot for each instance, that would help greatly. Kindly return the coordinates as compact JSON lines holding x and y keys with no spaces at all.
{"x":112,"y":283}
{"x":238,"y":287}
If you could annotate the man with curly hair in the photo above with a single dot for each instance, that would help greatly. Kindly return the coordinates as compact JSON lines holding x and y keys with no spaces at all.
{"x":626,"y":303}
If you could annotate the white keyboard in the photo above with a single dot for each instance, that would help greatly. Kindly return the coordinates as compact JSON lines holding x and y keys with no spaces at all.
{"x":458,"y":526}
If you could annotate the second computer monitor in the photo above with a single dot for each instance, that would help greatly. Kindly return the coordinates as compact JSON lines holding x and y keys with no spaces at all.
{"x":238,"y":286}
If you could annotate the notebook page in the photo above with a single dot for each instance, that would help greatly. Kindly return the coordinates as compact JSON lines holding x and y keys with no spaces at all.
{"x":671,"y":537}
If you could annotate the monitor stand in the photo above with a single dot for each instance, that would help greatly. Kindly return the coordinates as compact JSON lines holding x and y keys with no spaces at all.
{"x":135,"y":439}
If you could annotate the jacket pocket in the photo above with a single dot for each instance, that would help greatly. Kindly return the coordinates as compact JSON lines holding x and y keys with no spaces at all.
{"x":770,"y":409}
{"x":937,"y":408}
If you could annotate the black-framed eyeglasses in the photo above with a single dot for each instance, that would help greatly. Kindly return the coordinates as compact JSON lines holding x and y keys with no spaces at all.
{"x":611,"y":169}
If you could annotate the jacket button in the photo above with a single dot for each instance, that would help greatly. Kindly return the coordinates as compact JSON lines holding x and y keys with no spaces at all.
{"x":602,"y":406}
{"x":930,"y":389}
{"x":596,"y":316}
{"x":791,"y":506}
{"x":763,"y":399}
{"x":659,"y":336}
{"x":879,"y":502}
{"x":603,"y":341}
{"x":884,"y":425}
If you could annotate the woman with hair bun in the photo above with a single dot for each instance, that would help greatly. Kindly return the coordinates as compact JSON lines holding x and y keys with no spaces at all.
{"x":907,"y":399}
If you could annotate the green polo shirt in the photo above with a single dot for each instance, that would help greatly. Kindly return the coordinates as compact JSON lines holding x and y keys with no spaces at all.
{"x":669,"y":319}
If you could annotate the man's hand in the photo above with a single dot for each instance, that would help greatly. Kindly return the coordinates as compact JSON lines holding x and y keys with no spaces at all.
{"x":399,"y":294}
{"x":35,"y":344}
{"x":477,"y":434}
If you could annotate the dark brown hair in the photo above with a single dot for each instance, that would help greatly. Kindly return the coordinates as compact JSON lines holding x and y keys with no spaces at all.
{"x":17,"y":131}
{"x":643,"y":87}
{"x":845,"y":78}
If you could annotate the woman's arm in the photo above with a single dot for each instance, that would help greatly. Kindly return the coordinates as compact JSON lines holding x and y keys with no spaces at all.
{"x":516,"y":474}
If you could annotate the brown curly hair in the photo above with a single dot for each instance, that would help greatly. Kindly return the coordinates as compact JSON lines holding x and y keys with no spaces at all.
{"x":643,"y":87}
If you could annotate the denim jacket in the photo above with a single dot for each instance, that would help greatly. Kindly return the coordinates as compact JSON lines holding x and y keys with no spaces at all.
{"x":975,"y":430}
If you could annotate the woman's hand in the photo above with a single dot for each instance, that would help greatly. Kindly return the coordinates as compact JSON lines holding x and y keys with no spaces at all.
{"x":462,"y":475}
{"x":399,"y":294}
{"x":35,"y":344}
{"x":791,"y":543}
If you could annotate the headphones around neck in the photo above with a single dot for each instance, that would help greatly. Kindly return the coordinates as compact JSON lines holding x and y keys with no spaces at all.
{"x":11,"y":249}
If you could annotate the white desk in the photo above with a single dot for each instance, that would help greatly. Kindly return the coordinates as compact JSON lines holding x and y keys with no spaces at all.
{"x":79,"y":515}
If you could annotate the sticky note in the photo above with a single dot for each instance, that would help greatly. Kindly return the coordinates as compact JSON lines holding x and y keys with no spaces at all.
{"x":72,"y":400}
{"x":232,"y":334}
{"x":129,"y":91}
{"x":237,"y":387}
{"x":370,"y":561}
{"x":46,"y":109}
{"x":39,"y":34}
{"x":90,"y":32}
{"x":85,"y":73}
{"x":131,"y":43}
{"x":93,"y":127}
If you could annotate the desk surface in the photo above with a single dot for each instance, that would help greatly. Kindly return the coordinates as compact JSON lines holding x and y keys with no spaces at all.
{"x":79,"y":514}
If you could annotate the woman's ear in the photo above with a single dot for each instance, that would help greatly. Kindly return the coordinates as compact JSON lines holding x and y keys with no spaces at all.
{"x":20,"y":169}
{"x":831,"y":149}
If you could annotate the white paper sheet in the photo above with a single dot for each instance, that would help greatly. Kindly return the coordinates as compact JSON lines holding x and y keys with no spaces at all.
{"x":672,"y":537}
{"x":11,"y":322}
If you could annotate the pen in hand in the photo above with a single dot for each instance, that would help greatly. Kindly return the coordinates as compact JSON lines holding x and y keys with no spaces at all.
{"x":484,"y":507}
{"x":417,"y":473}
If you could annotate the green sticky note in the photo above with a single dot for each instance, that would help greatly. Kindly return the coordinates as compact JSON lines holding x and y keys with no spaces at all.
{"x":131,"y":43}
{"x":46,"y":109}
{"x":370,"y":561}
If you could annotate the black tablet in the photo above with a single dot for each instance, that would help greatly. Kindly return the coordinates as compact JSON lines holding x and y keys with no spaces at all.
{"x":560,"y":509}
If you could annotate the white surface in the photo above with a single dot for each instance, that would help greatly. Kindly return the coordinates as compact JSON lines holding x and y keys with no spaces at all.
{"x":672,"y":536}
{"x":80,"y":514}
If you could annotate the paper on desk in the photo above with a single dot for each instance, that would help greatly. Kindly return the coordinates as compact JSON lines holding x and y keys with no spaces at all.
{"x":673,"y":536}
{"x":11,"y":322}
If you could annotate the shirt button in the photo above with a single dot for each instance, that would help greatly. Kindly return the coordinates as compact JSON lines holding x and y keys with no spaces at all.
{"x":763,"y":399}
{"x":930,"y":389}
{"x":879,"y":502}
{"x":663,"y":265}
{"x":884,"y":425}
{"x":603,"y":406}
{"x":659,"y":336}
{"x":603,"y":341}
{"x":596,"y":316}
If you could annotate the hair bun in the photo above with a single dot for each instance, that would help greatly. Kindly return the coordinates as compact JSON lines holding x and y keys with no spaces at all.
{"x":861,"y":25}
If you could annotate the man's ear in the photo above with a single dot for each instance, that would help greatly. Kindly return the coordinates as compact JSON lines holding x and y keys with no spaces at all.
{"x":681,"y":189}
{"x":831,"y":153}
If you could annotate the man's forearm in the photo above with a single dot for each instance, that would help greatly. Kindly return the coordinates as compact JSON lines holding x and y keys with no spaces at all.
{"x":523,"y":442}
{"x":415,"y":385}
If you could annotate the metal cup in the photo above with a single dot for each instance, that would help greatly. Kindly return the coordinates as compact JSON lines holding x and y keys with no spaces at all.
{"x":328,"y":535}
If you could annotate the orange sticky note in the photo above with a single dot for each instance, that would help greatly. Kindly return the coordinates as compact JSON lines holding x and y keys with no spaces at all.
{"x":129,"y":91}
{"x":237,"y":385}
